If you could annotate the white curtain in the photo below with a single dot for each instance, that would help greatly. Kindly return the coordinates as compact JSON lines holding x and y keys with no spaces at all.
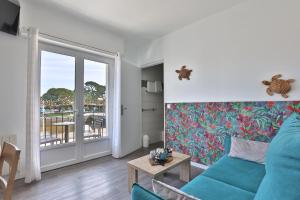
{"x":116,"y":140}
{"x":32,"y":160}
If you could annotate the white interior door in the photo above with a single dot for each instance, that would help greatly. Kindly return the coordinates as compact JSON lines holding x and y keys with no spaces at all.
{"x":74,"y":106}
{"x":131,"y":114}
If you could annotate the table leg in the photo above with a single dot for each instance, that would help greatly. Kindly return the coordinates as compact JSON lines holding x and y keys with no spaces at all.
{"x":159,"y":177}
{"x":66,"y":134}
{"x":185,"y":171}
{"x":132,"y":177}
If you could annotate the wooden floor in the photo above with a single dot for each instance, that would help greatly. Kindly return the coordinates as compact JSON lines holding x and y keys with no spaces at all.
{"x":104,"y":178}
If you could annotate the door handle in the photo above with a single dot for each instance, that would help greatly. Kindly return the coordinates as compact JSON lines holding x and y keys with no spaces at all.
{"x":122,"y":109}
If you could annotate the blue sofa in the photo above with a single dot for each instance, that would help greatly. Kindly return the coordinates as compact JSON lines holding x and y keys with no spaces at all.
{"x":237,"y":179}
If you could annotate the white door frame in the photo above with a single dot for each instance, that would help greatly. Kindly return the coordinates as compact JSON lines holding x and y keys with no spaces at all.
{"x":71,"y":153}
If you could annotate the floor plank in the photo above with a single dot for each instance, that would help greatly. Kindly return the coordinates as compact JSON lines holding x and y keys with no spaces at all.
{"x":103,"y":178}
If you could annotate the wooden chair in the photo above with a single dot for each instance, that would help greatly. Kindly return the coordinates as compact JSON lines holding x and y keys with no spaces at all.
{"x":10,"y":154}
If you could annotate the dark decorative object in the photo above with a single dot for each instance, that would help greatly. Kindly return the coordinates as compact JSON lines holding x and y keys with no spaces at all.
{"x":184,"y":73}
{"x":160,"y":156}
{"x":280,"y":86}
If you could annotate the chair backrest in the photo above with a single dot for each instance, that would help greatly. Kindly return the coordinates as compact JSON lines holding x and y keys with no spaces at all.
{"x":10,"y":154}
{"x":98,"y":122}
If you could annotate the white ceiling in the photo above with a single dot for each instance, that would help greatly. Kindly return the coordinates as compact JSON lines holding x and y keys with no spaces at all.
{"x":144,"y":18}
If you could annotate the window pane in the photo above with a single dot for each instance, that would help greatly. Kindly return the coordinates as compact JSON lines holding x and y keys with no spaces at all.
{"x":94,"y":99}
{"x":57,"y":98}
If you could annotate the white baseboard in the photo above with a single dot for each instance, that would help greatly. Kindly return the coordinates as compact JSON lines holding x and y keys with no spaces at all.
{"x":198,"y":165}
{"x":58,"y":165}
{"x":96,"y":155}
{"x":74,"y":161}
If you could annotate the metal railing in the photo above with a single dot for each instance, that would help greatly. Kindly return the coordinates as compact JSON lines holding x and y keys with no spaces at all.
{"x":59,"y":127}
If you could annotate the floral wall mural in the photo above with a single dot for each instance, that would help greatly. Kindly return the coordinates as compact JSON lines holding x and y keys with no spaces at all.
{"x":199,"y":129}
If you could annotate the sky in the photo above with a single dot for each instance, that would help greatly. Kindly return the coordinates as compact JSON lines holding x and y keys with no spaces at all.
{"x":58,"y":71}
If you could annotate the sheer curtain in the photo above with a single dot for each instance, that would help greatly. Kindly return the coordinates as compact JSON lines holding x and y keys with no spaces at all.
{"x":32,"y":160}
{"x":116,"y":140}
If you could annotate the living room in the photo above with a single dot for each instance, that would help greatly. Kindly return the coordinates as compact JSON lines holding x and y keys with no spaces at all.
{"x":84,"y":119}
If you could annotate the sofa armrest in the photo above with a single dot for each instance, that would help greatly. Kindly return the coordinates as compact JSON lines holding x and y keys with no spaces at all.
{"x":140,"y":193}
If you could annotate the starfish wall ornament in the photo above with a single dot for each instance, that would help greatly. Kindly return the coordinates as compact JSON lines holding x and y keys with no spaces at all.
{"x":184,"y":73}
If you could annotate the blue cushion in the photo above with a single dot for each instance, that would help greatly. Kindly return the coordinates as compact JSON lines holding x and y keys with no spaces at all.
{"x":210,"y":189}
{"x":239,"y":173}
{"x":290,"y":124}
{"x":282,"y":178}
{"x":139,"y":193}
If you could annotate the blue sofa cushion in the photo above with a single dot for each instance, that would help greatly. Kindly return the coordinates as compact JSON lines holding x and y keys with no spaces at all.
{"x":282,"y":178}
{"x":207,"y":188}
{"x":239,"y":173}
{"x":290,"y":125}
{"x":139,"y":193}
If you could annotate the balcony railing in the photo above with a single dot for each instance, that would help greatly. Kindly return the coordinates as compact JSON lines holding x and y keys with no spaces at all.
{"x":59,"y":127}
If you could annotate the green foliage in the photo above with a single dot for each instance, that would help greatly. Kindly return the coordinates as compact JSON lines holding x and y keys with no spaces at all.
{"x":93,"y":91}
{"x":58,"y":98}
{"x":56,"y":93}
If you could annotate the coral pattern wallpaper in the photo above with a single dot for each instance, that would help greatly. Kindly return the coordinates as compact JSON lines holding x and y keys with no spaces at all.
{"x":199,"y":129}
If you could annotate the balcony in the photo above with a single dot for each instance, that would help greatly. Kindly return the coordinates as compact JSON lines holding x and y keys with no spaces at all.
{"x":58,"y":127}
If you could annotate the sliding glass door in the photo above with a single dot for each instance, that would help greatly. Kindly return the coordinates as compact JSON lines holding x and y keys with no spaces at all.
{"x":74,"y":106}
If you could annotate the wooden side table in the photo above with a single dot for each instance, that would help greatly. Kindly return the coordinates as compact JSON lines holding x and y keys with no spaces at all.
{"x":143,"y":164}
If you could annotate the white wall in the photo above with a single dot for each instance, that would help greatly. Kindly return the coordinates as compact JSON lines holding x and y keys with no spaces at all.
{"x":233,"y":51}
{"x":153,"y":121}
{"x":144,"y":53}
{"x":13,"y":72}
{"x":57,"y":23}
{"x":151,"y":53}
